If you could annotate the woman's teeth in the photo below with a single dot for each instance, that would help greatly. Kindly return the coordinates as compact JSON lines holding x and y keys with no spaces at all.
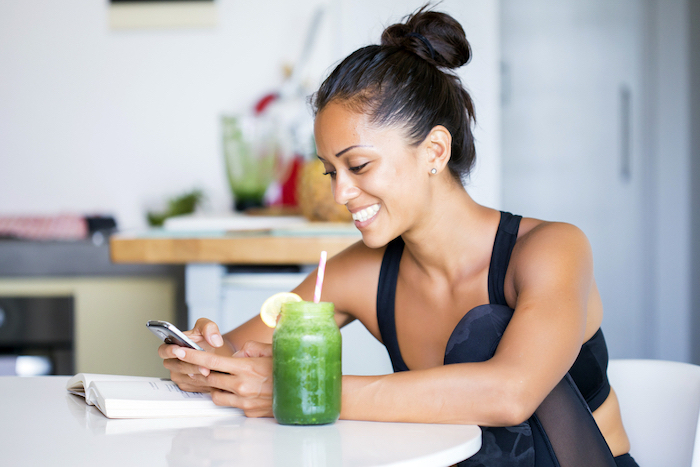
{"x":366,"y":213}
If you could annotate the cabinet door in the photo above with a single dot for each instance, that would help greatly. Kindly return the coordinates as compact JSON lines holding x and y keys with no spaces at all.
{"x":572,"y":142}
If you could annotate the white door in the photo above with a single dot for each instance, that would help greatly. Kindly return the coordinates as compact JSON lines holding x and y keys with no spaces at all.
{"x":572,"y":146}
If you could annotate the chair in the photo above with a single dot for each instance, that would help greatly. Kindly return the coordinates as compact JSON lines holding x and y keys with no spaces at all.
{"x":660,"y":405}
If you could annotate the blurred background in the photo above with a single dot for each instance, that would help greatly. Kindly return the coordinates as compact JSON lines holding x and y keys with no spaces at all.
{"x":588,"y":112}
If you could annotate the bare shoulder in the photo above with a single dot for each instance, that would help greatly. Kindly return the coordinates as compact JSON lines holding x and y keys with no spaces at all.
{"x":538,"y":234}
{"x":550,"y":252}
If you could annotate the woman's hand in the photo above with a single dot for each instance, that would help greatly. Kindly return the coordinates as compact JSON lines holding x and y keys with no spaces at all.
{"x":206,"y":334}
{"x":243,"y":380}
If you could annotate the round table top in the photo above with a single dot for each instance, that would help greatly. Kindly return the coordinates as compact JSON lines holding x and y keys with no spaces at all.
{"x":45,"y":425}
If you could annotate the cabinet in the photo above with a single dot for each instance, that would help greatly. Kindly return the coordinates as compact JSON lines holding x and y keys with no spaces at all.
{"x":110,"y":315}
{"x":110,"y":303}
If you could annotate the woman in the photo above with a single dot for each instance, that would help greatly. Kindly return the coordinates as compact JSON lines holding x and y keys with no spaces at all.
{"x":497,"y":317}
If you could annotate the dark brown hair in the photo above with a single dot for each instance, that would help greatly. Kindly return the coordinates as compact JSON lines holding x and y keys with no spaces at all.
{"x":407,"y":82}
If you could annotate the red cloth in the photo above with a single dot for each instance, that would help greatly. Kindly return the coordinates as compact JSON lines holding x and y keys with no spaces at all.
{"x":61,"y":227}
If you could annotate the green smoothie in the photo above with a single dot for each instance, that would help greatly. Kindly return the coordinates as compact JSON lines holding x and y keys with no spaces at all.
{"x":306,"y":365}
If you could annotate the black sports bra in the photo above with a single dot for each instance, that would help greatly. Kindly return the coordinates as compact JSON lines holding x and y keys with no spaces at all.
{"x":589,"y":371}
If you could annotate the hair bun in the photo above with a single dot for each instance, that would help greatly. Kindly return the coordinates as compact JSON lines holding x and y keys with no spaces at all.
{"x":434,"y":36}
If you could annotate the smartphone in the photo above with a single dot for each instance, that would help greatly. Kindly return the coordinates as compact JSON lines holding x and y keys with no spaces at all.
{"x":171,"y":334}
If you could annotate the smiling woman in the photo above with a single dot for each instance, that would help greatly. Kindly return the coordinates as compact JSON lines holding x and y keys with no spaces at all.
{"x":489,"y":318}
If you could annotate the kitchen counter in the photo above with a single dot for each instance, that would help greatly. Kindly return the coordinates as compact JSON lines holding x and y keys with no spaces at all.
{"x":288,"y":246}
{"x":22,"y":258}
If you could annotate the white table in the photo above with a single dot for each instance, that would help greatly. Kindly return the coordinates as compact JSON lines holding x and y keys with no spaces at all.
{"x":41,"y":424}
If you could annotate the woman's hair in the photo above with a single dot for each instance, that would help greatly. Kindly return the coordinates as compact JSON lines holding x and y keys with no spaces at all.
{"x":406,"y":82}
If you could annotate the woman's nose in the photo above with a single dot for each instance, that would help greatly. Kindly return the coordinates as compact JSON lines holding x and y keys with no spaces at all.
{"x":344,"y":190}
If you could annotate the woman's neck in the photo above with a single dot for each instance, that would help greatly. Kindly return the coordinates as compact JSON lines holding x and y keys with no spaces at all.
{"x":457,"y":234}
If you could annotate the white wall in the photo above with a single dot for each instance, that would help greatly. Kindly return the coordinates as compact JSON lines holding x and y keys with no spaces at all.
{"x":96,"y":120}
{"x":652,"y":317}
{"x":671,"y":143}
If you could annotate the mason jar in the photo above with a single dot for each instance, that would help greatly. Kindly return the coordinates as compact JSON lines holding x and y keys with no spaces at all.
{"x":306,"y":365}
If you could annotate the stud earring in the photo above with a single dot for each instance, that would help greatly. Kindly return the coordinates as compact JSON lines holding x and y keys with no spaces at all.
{"x":433,"y":171}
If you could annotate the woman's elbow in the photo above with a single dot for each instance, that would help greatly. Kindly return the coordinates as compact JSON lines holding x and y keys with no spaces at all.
{"x":514,"y":406}
{"x":512,"y":414}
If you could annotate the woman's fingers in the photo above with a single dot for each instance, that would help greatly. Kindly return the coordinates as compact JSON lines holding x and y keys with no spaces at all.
{"x":182,"y":371}
{"x":255,"y":384}
{"x":219,"y":363}
{"x":244,"y":382}
{"x":207,"y":330}
{"x":191,"y":383}
{"x":251,"y":406}
{"x":167,"y":351}
{"x":254,"y":349}
{"x":178,"y":367}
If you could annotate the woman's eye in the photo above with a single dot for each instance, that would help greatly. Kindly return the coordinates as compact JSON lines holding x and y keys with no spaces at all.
{"x":358,"y":168}
{"x":330,"y":172}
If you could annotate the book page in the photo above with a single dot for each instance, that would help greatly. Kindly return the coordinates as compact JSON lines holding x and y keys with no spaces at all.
{"x":151,"y":399}
{"x":149,"y":390}
{"x":78,"y":383}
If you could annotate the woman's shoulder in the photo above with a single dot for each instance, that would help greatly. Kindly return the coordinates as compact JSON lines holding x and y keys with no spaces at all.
{"x":351,"y":280}
{"x":541,"y":241}
{"x":532,"y":227}
{"x":356,"y":265}
{"x":548,"y":257}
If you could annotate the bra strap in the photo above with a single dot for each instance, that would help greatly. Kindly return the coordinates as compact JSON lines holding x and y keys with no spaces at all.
{"x":503,"y":245}
{"x":386,"y":297}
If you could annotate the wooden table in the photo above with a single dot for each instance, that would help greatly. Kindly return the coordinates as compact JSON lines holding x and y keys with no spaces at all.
{"x":44,"y":425}
{"x":274,"y":246}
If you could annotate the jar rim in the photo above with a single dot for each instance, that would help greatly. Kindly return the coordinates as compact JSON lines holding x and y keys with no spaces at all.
{"x":305,"y":307}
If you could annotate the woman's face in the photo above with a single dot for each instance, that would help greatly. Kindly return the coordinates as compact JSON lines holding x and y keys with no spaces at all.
{"x":374,"y":172}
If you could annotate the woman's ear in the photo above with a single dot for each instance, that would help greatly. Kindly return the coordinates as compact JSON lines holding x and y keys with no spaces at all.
{"x":438,"y":146}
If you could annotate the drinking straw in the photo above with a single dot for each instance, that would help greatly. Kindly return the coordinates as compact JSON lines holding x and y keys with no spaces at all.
{"x":319,"y":276}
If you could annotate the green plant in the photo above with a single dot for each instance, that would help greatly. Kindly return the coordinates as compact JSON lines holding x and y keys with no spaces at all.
{"x":185,"y":203}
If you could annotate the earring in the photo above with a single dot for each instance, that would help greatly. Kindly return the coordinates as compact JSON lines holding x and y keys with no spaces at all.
{"x":433,"y":171}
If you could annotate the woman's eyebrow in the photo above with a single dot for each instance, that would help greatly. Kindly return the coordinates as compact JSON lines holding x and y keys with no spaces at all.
{"x":353,"y":147}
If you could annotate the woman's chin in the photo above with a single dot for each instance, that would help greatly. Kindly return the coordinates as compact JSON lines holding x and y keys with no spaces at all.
{"x":375,"y":241}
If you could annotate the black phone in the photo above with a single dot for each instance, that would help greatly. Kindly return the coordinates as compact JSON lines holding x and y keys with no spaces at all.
{"x":171,"y":334}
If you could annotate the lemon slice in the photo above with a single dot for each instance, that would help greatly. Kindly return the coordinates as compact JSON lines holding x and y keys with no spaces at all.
{"x":270,"y":309}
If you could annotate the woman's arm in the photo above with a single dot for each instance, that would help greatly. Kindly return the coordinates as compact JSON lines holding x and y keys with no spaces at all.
{"x":548,"y":283}
{"x":226,"y":352}
{"x":351,"y":266}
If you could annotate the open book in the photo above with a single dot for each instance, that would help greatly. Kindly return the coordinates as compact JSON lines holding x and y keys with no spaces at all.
{"x":143,"y":397}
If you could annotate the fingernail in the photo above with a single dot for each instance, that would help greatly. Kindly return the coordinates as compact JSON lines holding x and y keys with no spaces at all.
{"x":217,"y":340}
{"x":204,"y":371}
{"x":179,"y":353}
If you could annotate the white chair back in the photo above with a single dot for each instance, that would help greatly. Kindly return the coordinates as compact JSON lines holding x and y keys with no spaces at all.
{"x":660,"y":405}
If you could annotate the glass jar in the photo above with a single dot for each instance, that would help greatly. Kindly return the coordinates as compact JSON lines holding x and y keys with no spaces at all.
{"x":306,"y":365}
{"x":252,"y":155}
